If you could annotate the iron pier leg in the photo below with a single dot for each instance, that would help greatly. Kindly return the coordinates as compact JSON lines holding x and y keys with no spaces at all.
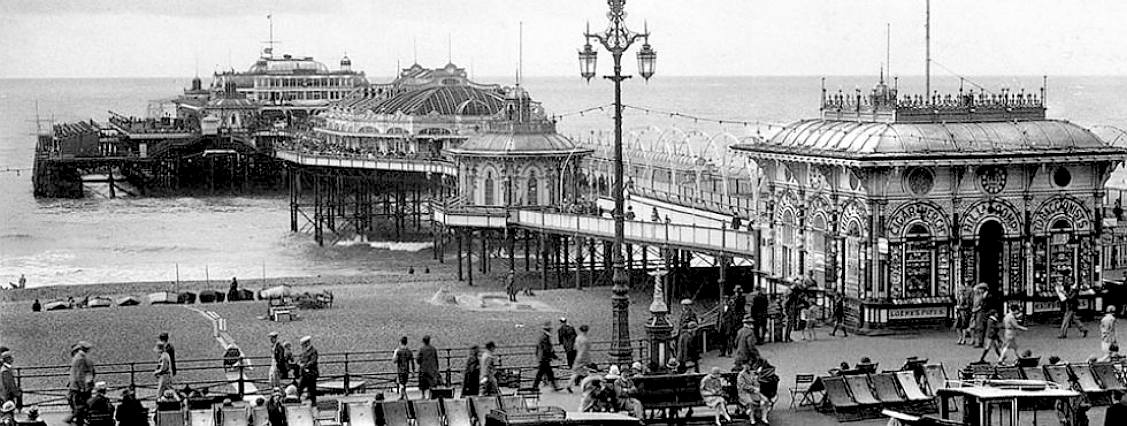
{"x":524,"y":236}
{"x":591,"y":255}
{"x":579,"y":246}
{"x":543,"y":249}
{"x":469,"y":257}
{"x":458,"y":236}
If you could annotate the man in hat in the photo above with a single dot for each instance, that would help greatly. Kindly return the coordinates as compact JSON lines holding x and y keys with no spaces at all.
{"x":81,"y":382}
{"x":100,"y":409}
{"x":130,"y":412}
{"x":566,"y":334}
{"x":168,"y":349}
{"x":163,"y":372}
{"x":9,"y":389}
{"x":687,"y":314}
{"x":1108,"y":336}
{"x":275,"y":410}
{"x":746,"y":340}
{"x":544,"y":357}
{"x":687,"y":350}
{"x":277,"y":360}
{"x":309,"y":369}
{"x":1069,"y":304}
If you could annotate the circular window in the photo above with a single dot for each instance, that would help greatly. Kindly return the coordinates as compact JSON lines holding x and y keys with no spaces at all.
{"x":1061,"y":177}
{"x":920,"y":180}
{"x":854,"y":182}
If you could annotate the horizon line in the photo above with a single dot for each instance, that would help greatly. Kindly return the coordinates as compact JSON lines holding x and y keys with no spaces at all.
{"x":501,"y":77}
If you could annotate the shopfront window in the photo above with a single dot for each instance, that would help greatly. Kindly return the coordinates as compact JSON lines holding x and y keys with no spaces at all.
{"x":919,"y":263}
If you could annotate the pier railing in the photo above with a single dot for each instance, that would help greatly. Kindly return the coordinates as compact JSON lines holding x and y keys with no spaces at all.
{"x":654,"y":233}
{"x":405,"y":164}
{"x":341,"y":373}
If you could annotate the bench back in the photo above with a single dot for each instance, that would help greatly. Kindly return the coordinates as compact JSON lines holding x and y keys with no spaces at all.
{"x":677,"y":390}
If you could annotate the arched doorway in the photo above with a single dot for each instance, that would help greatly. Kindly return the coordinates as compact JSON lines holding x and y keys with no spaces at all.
{"x":990,"y":243}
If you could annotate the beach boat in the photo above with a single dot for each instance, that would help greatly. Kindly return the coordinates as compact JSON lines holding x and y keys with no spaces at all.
{"x":56,"y":305}
{"x":128,"y":301}
{"x":162,"y":298}
{"x":276,"y":292}
{"x":211,"y":296}
{"x":99,"y":302}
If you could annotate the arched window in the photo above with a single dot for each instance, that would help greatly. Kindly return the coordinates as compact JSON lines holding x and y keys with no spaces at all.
{"x":533,"y":189}
{"x":489,"y":189}
{"x":919,"y":263}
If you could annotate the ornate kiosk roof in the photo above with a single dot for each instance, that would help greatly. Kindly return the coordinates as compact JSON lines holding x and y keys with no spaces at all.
{"x":881,"y":130}
{"x":524,"y":132}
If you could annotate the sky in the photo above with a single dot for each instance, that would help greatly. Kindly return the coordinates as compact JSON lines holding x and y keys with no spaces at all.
{"x":177,"y":38}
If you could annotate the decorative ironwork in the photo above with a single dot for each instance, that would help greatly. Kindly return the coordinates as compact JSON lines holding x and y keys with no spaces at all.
{"x":992,"y":179}
{"x":921,"y":212}
{"x":919,"y":180}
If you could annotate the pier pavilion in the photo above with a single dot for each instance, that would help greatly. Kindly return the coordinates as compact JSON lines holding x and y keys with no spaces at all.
{"x":898,"y":202}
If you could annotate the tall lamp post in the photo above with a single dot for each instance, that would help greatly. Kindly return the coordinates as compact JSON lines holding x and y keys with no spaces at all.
{"x":617,"y":39}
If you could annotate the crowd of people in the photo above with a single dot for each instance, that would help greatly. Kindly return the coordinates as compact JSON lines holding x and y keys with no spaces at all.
{"x":370,"y":150}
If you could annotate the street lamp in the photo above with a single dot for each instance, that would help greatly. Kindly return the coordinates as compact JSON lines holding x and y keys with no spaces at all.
{"x":617,"y":39}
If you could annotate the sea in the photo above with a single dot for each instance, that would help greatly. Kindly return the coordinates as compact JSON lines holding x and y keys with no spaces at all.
{"x":100,"y":240}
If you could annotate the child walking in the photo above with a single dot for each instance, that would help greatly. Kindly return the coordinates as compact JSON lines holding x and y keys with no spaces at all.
{"x":806,"y":315}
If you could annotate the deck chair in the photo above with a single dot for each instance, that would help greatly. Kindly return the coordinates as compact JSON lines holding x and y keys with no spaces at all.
{"x":359,"y":413}
{"x":427,"y":413}
{"x":395,"y":413}
{"x":801,"y":394}
{"x":261,"y":417}
{"x":1096,"y":394}
{"x":1108,"y":377}
{"x":169,"y":418}
{"x":978,"y":372}
{"x":887,"y":390}
{"x":513,"y":403}
{"x":298,"y":415}
{"x":1032,"y":361}
{"x":482,"y":405}
{"x":862,"y":393}
{"x":1008,"y":373}
{"x":233,"y":416}
{"x":840,"y":402}
{"x":936,"y":378}
{"x":1059,"y":374}
{"x":203,"y":417}
{"x":457,"y":412}
{"x":1034,"y":373}
{"x":911,"y":387}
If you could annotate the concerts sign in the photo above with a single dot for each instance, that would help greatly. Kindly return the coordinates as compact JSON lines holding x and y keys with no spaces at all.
{"x":895,"y":314}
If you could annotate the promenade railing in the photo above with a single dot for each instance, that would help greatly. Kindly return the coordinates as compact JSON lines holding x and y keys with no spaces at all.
{"x":340,"y":373}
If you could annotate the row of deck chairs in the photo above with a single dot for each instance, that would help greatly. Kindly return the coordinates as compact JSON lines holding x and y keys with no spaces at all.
{"x":1101,"y":383}
{"x":440,"y":412}
{"x":852,"y":397}
{"x":225,"y":416}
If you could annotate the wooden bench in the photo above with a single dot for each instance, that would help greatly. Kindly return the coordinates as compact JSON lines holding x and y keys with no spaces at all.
{"x":673,"y":392}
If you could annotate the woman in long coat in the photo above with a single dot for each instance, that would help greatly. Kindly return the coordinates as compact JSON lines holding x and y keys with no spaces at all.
{"x":471,"y":375}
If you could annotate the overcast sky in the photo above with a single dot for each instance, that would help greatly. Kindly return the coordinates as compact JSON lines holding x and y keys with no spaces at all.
{"x":157,"y":38}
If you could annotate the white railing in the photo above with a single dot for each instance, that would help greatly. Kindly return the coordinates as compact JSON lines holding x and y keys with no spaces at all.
{"x":395,"y":164}
{"x":655,"y":233}
{"x":481,"y":218}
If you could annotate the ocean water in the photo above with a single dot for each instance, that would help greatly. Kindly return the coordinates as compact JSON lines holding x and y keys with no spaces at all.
{"x":149,"y":239}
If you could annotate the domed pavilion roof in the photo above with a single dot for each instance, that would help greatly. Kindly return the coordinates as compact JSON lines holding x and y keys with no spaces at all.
{"x":443,"y":100}
{"x":887,"y":141}
{"x":519,"y":139}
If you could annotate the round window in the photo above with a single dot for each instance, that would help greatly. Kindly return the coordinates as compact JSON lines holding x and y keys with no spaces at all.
{"x":1062,"y":177}
{"x":920,"y":181}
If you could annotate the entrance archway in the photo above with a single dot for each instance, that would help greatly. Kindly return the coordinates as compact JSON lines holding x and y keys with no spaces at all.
{"x":990,"y":235}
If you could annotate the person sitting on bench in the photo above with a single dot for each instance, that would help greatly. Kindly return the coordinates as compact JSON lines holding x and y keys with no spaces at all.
{"x":712,"y":392}
{"x":751,"y":399}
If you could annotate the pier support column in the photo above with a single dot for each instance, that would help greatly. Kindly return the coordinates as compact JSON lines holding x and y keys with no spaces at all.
{"x":484,"y":252}
{"x":469,"y":257}
{"x":294,"y":179}
{"x":526,"y":256}
{"x":579,"y":246}
{"x":591,"y":254}
{"x":458,"y":236}
{"x":543,"y":249}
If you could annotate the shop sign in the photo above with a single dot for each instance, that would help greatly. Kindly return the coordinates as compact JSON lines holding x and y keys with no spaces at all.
{"x":913,"y":313}
{"x":1046,"y":306}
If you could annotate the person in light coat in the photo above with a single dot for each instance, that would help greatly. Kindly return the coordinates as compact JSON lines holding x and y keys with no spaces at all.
{"x":163,"y":372}
{"x":1108,"y":335}
{"x":582,"y":357}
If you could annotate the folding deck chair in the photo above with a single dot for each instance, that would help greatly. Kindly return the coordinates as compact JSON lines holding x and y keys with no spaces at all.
{"x":261,"y":417}
{"x":482,"y":405}
{"x":169,"y":418}
{"x":395,"y":413}
{"x":914,"y":394}
{"x":358,"y":412}
{"x":936,"y":378}
{"x":1008,"y":373}
{"x":513,"y":403}
{"x":1109,"y":377}
{"x":887,"y":390}
{"x":1034,"y":373}
{"x":1059,"y":374}
{"x":801,"y":393}
{"x":233,"y":416}
{"x":457,"y":412}
{"x":840,"y":402}
{"x":1096,"y":394}
{"x":862,"y":393}
{"x":298,"y":415}
{"x":202,"y":417}
{"x":427,"y":413}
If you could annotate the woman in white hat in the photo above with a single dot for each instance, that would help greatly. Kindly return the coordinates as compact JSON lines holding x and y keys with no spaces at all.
{"x":712,"y":391}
